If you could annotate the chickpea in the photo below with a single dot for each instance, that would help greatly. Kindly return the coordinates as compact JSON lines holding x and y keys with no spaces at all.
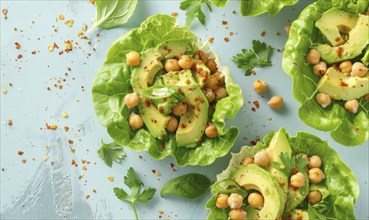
{"x":235,"y":201}
{"x":220,"y":93}
{"x":314,"y":162}
{"x":135,"y":121}
{"x":358,"y":69}
{"x":323,"y":99}
{"x":212,"y":82}
{"x":133,"y":58}
{"x":261,"y":158}
{"x":352,"y":105}
{"x":314,"y":197}
{"x":320,"y":68}
{"x":172,"y":124}
{"x":209,"y":94}
{"x":200,"y":55}
{"x":316,"y":175}
{"x":298,"y":180}
{"x":222,"y":201}
{"x":211,"y":130}
{"x":171,"y":65}
{"x":131,"y":100}
{"x":221,"y":79}
{"x":276,"y":102}
{"x":366,"y":97}
{"x":185,"y":62}
{"x":180,"y":109}
{"x":247,"y":160}
{"x":212,"y":65}
{"x":260,"y":86}
{"x":237,"y":214}
{"x":346,"y":66}
{"x":313,"y":56}
{"x":255,"y":200}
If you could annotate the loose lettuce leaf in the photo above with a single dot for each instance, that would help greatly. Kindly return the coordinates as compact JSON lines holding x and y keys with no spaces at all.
{"x":340,"y":181}
{"x":112,"y":83}
{"x":257,"y":7}
{"x":346,"y":128}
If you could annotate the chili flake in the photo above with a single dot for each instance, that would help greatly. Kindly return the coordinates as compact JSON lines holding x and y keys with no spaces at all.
{"x":69,"y":23}
{"x":156,"y":172}
{"x":84,"y":27}
{"x":224,"y":22}
{"x":87,"y":196}
{"x":68,"y":46}
{"x":226,"y":39}
{"x":10,"y":122}
{"x":174,"y":14}
{"x":20,"y":56}
{"x":72,"y":150}
{"x":262,"y":33}
{"x":111,"y":178}
{"x":70,"y":141}
{"x":66,"y":128}
{"x":92,"y":2}
{"x":17,"y":46}
{"x":211,"y":39}
{"x":20,"y":153}
{"x":24,"y":161}
{"x":5,"y":12}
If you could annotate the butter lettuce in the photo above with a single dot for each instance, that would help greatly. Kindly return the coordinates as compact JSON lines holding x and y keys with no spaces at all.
{"x":112,"y":83}
{"x":257,"y":7}
{"x":346,"y":128}
{"x":340,"y":181}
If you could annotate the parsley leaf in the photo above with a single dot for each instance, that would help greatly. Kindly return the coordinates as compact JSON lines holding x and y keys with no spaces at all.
{"x":290,"y":163}
{"x":111,"y":152}
{"x":193,"y":10}
{"x":134,"y":184}
{"x":258,"y":56}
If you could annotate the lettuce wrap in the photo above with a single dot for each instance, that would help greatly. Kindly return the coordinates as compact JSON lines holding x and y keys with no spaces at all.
{"x":339,"y":188}
{"x":349,"y":129}
{"x":113,"y":82}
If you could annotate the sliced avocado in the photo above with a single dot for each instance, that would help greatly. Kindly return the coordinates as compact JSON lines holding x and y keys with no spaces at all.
{"x":252,"y":177}
{"x":342,"y":87}
{"x":357,"y":41}
{"x":172,"y":49}
{"x":192,"y":125}
{"x":142,"y":77}
{"x":334,"y":22}
{"x":201,"y":73}
{"x":297,"y":214}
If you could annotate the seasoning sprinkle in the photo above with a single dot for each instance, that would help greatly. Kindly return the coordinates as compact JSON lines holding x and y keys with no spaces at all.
{"x":111,"y":178}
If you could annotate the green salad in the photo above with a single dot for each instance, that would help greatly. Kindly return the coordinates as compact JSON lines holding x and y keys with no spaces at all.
{"x":327,"y":55}
{"x":163,"y":91}
{"x":285,"y":177}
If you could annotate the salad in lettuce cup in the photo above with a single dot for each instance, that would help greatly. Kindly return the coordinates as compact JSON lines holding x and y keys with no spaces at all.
{"x":163,"y":91}
{"x":327,"y":55}
{"x":285,"y":177}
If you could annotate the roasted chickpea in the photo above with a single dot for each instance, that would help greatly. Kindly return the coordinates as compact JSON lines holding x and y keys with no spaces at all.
{"x":209,"y":94}
{"x":366,"y":97}
{"x":352,"y":105}
{"x":314,"y":162}
{"x":220,"y":93}
{"x":237,"y":214}
{"x":133,"y":58}
{"x":211,"y":130}
{"x":131,"y":100}
{"x":316,"y":175}
{"x":247,"y":160}
{"x":323,"y":99}
{"x":358,"y":69}
{"x":346,"y":66}
{"x":200,"y":55}
{"x":221,"y":79}
{"x":261,"y":158}
{"x":212,"y":65}
{"x":298,"y":180}
{"x":255,"y":200}
{"x":314,"y":197}
{"x":180,"y":109}
{"x":172,"y":124}
{"x":185,"y":62}
{"x":260,"y":86}
{"x":320,"y":68}
{"x":212,"y":82}
{"x":222,"y":201}
{"x":171,"y":65}
{"x":276,"y":102}
{"x":135,"y":121}
{"x":313,"y":56}
{"x":235,"y":201}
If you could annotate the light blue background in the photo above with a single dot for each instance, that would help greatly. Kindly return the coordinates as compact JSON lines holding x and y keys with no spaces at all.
{"x":41,"y":191}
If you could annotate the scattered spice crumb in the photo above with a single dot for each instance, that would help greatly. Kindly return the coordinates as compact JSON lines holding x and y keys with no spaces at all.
{"x":84,"y":168}
{"x":92,"y":2}
{"x":66,"y":128}
{"x":270,"y":118}
{"x":84,"y":27}
{"x":4,"y":90}
{"x":17,"y":46}
{"x":231,"y":34}
{"x":72,"y":150}
{"x":61,"y":17}
{"x":94,"y":190}
{"x":69,"y":23}
{"x":20,"y":153}
{"x":70,"y":141}
{"x":50,"y":48}
{"x":68,"y":46}
{"x":20,"y":56}
{"x":65,"y":115}
{"x":87,"y":196}
{"x":111,"y":178}
{"x":45,"y":158}
{"x":5,"y":13}
{"x":226,"y":39}
{"x":10,"y":122}
{"x":156,"y":172}
{"x":33,"y":52}
{"x":174,"y":14}
{"x":211,"y":39}
{"x":224,"y":22}
{"x":51,"y":127}
{"x":24,"y":161}
{"x":277,"y":33}
{"x":263,"y":33}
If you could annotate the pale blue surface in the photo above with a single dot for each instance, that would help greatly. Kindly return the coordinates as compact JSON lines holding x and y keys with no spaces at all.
{"x":38,"y":190}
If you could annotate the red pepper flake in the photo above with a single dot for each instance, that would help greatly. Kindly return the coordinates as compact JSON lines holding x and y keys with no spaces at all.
{"x":17,"y":46}
{"x":72,"y":150}
{"x":183,"y":125}
{"x":70,"y":141}
{"x":340,"y":51}
{"x":10,"y":122}
{"x":61,"y":52}
{"x":147,"y":103}
{"x":262,"y":33}
{"x":226,"y":39}
{"x":66,"y":128}
{"x":155,"y":172}
{"x":56,"y":46}
{"x":256,"y":103}
{"x":253,"y":143}
{"x":224,"y":22}
{"x":87,"y":196}
{"x":20,"y":153}
{"x":231,"y":34}
{"x":20,"y":56}
{"x":253,"y":109}
{"x":211,"y":39}
{"x":343,"y":84}
{"x":34,"y":52}
{"x":174,"y":14}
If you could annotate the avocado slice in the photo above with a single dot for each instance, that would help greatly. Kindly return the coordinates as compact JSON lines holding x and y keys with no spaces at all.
{"x":192,"y":125}
{"x":201,"y":73}
{"x":334,"y":22}
{"x":252,"y":177}
{"x":142,"y":77}
{"x":358,"y":40}
{"x":343,"y":87}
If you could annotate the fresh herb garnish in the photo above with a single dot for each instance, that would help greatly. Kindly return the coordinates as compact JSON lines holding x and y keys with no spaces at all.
{"x":193,"y":10}
{"x":290,"y":163}
{"x":258,"y":56}
{"x":134,"y":185}
{"x":111,"y":152}
{"x":163,"y":91}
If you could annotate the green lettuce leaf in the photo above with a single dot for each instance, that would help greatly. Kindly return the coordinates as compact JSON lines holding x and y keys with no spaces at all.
{"x":346,"y":128}
{"x":112,"y":83}
{"x":257,"y":7}
{"x":340,"y":181}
